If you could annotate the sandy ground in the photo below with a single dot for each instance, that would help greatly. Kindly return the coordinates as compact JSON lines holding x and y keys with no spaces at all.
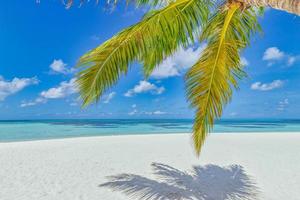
{"x":231,"y":166}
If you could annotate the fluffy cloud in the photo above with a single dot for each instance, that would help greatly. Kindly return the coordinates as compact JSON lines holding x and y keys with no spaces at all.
{"x":165,"y":70}
{"x":174,"y":65}
{"x":180,"y":61}
{"x":8,"y":88}
{"x":267,"y":86}
{"x":273,"y":53}
{"x":38,"y":100}
{"x":65,"y":88}
{"x":58,"y":66}
{"x":107,"y":98}
{"x":144,"y":87}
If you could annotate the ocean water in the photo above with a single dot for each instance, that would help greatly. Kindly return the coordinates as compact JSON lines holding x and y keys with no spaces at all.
{"x":51,"y":129}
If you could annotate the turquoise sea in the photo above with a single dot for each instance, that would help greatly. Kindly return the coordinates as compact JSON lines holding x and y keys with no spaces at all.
{"x":21,"y":130}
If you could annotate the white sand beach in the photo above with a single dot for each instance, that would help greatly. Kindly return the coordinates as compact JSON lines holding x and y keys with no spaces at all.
{"x":232,"y":166}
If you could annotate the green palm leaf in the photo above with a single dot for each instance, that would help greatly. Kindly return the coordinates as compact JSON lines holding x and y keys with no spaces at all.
{"x":158,"y":35}
{"x":211,"y":80}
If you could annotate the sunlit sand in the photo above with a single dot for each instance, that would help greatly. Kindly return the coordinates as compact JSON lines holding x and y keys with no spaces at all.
{"x":231,"y":166}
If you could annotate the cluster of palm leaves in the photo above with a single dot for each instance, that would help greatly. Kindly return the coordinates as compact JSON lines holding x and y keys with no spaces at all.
{"x":224,"y":26}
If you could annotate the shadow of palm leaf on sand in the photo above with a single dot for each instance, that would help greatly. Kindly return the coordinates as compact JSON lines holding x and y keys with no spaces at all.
{"x":209,"y":182}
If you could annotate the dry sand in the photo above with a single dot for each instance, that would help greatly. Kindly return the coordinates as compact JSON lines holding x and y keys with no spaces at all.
{"x":238,"y":166}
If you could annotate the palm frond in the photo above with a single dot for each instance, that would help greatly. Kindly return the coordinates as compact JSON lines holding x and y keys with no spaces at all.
{"x":158,"y":35}
{"x":211,"y":80}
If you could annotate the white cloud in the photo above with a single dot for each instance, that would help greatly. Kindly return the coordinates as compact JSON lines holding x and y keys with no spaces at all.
{"x":133,"y":112}
{"x":283,"y":104}
{"x":174,"y":65}
{"x":110,"y":96}
{"x":291,"y":60}
{"x":73,"y":104}
{"x":26,"y":104}
{"x":180,"y":61}
{"x":165,"y":70}
{"x":64,"y":89}
{"x":58,"y":66}
{"x":273,"y":54}
{"x":157,"y":112}
{"x":144,"y":87}
{"x":244,"y":61}
{"x":267,"y":86}
{"x":8,"y":88}
{"x":74,"y":101}
{"x":38,"y":100}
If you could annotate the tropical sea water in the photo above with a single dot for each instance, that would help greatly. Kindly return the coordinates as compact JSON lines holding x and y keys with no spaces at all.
{"x":51,"y":129}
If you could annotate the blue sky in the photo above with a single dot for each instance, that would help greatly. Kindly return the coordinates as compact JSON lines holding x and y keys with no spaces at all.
{"x":40,"y":44}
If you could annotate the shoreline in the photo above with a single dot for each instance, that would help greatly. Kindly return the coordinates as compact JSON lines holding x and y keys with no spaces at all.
{"x":148,"y":134}
{"x":256,"y":166}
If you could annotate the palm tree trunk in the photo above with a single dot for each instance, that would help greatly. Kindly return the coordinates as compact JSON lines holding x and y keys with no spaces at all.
{"x":291,"y":6}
